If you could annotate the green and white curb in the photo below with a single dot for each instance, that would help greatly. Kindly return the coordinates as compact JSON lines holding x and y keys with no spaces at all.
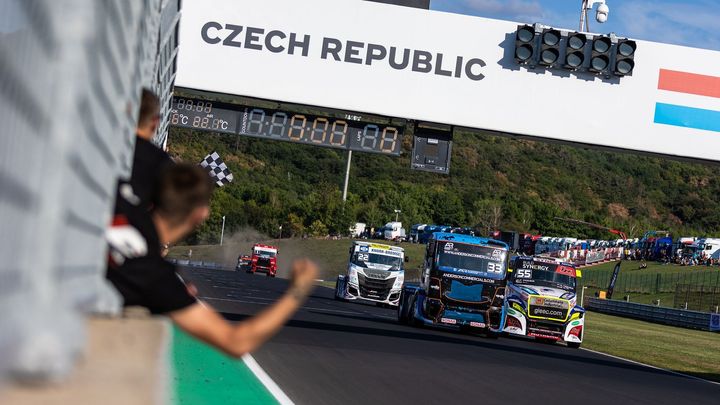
{"x":202,"y":375}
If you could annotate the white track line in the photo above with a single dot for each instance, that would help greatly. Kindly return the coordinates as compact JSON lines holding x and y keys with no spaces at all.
{"x":265,"y":379}
{"x":692,"y":377}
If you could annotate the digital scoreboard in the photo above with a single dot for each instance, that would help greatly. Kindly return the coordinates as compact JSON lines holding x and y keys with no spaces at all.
{"x":350,"y":133}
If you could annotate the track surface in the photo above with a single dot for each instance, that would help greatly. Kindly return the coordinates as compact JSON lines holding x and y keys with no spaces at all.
{"x":346,"y":353}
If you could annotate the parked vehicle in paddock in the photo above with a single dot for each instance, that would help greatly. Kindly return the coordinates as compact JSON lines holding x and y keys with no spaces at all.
{"x":462,"y":285}
{"x":429,"y":230}
{"x":394,"y":231}
{"x":541,"y":300}
{"x":706,"y":248}
{"x":264,"y":259}
{"x":244,"y":263}
{"x":375,"y":273}
{"x":415,"y":232}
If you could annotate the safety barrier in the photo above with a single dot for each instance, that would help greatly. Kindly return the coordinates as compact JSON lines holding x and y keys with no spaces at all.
{"x":650,"y":313}
{"x":72,"y":73}
{"x":200,"y":263}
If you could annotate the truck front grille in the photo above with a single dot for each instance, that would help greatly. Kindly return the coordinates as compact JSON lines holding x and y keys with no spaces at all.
{"x":555,"y":309}
{"x":374,"y":288}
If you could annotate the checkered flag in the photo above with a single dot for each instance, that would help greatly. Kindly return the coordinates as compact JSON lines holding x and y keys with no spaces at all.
{"x":217,"y":169}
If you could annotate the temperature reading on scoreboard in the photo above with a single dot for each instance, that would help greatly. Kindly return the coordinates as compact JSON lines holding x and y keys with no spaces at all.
{"x":201,"y":114}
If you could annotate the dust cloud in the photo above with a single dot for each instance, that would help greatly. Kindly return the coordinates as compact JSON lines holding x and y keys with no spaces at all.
{"x":242,"y":241}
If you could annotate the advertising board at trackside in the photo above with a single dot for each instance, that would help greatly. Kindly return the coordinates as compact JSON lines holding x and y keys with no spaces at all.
{"x":453,"y":69}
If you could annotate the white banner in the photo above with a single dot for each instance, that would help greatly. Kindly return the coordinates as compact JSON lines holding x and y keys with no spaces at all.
{"x":447,"y":68}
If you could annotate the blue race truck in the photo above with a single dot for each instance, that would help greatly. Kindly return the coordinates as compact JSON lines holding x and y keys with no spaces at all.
{"x":462,"y":285}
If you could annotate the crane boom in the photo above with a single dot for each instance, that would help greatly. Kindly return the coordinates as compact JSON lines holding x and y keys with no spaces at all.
{"x":592,"y":225}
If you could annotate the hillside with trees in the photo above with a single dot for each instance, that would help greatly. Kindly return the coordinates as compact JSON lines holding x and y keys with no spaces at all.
{"x":494,"y":182}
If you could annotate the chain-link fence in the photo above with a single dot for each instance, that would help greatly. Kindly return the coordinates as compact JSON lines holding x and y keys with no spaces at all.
{"x":697,"y":297}
{"x":639,"y":282}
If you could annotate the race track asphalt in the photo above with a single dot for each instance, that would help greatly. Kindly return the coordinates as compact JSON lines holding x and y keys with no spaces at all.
{"x":334,"y":352}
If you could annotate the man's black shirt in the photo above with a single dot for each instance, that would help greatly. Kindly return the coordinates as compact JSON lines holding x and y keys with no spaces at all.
{"x":148,"y":162}
{"x":149,"y":280}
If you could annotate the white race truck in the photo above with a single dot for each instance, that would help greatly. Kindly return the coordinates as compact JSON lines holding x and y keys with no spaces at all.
{"x":541,"y":301}
{"x":375,"y":273}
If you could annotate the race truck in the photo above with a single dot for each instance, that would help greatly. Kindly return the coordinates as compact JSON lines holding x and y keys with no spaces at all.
{"x":375,"y":274}
{"x":244,"y":263}
{"x":541,"y":300}
{"x":462,"y":285}
{"x":264,"y":259}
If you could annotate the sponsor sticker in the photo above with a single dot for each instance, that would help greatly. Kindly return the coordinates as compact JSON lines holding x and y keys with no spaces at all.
{"x":448,"y":320}
{"x":449,"y":246}
{"x":547,"y":312}
{"x":364,"y":249}
{"x":477,"y":324}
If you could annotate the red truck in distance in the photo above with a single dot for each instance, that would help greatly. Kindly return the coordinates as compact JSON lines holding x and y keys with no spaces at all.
{"x":264,"y":259}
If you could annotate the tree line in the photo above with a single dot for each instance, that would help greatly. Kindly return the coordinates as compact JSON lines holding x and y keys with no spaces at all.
{"x":494,"y":183}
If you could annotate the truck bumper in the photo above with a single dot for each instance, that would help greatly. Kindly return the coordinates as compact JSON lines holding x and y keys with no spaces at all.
{"x":351,"y":292}
{"x":518,"y":324}
{"x":455,"y":320}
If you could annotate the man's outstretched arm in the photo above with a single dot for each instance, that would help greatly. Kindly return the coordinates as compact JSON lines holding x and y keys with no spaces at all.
{"x":207,"y":325}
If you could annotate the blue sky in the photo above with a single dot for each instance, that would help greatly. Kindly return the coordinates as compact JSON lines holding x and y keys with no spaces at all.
{"x":682,"y":22}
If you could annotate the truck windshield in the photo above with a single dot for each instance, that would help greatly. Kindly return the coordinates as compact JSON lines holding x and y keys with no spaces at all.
{"x":484,"y":261}
{"x":363,"y":259}
{"x":545,"y":274}
{"x":266,"y":253}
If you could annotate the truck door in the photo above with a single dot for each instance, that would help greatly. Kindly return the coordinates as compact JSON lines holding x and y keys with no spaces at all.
{"x":429,"y":259}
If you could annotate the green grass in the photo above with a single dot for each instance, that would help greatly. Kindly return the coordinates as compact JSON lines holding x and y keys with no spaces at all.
{"x":684,"y":350}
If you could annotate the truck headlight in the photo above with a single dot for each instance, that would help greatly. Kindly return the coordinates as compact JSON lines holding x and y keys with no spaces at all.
{"x":352,"y":276}
{"x":399,"y":281}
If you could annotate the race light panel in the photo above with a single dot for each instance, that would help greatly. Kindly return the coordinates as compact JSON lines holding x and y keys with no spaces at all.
{"x":600,"y":59}
{"x":575,"y":54}
{"x":625,"y":57}
{"x":538,"y":46}
{"x":525,"y":44}
{"x":550,"y":47}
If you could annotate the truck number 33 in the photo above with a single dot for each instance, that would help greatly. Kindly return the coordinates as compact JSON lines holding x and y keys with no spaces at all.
{"x":494,"y":267}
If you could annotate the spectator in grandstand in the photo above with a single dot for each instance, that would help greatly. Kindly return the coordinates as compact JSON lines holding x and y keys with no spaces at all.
{"x":144,"y":278}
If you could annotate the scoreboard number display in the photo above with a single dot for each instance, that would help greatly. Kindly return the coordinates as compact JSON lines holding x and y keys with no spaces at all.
{"x":282,"y":125}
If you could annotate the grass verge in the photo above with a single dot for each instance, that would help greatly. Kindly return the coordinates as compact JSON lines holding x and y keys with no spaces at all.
{"x":686,"y":351}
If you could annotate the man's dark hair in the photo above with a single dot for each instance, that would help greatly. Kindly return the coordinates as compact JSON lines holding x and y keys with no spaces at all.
{"x":182,"y":188}
{"x":149,"y":107}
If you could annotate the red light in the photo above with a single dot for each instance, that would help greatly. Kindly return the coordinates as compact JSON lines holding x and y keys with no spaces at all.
{"x":512,"y":322}
{"x":576,"y":331}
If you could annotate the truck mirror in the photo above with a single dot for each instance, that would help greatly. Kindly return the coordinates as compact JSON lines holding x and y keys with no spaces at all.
{"x":407,"y":259}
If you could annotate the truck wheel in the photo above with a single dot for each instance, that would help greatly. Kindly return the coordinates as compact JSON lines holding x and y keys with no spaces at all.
{"x":402,"y":309}
{"x":413,"y":321}
{"x":338,"y":288}
{"x":492,"y":335}
{"x":573,"y":345}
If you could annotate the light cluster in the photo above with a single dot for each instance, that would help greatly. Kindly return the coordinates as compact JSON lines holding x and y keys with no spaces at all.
{"x":603,"y":55}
